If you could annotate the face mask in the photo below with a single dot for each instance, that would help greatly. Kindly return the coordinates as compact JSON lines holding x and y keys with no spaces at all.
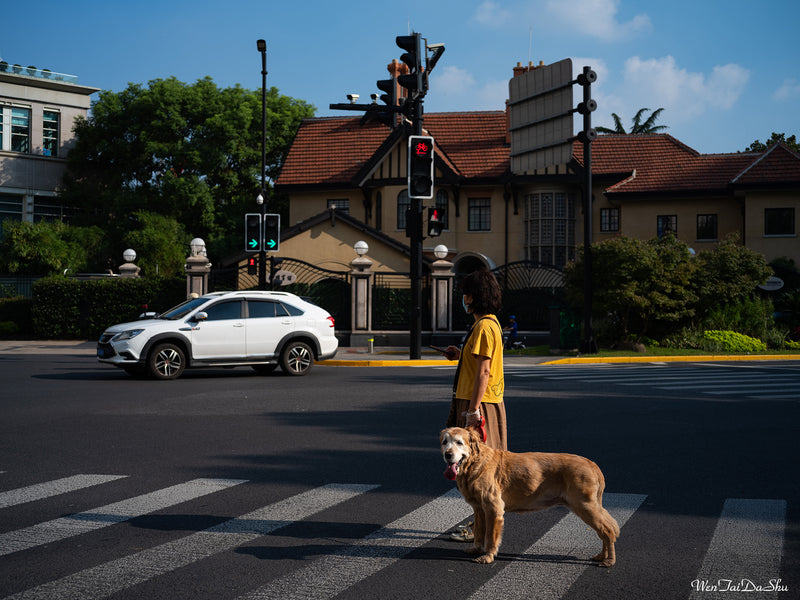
{"x":465,"y":305}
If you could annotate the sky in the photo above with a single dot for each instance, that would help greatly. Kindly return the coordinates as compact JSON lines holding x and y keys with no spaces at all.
{"x":726,"y":72}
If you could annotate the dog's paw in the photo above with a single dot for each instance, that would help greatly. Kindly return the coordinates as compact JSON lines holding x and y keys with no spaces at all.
{"x":485,"y":559}
{"x":603,"y":561}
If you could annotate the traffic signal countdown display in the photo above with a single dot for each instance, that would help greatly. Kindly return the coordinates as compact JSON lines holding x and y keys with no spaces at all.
{"x":420,"y":167}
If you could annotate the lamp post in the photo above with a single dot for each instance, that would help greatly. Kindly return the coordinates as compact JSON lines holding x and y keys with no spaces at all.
{"x":263,"y":196}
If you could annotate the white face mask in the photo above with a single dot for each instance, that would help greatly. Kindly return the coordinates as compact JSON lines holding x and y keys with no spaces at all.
{"x":466,"y":306}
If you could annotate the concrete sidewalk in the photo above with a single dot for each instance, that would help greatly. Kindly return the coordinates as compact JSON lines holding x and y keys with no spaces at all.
{"x":388,"y":356}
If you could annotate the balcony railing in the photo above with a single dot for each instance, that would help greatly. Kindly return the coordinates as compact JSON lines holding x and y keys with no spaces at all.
{"x":38,"y":73}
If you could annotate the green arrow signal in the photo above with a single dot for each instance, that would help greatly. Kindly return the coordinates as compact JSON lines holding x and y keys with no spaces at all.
{"x":252,"y":243}
{"x":272,"y":243}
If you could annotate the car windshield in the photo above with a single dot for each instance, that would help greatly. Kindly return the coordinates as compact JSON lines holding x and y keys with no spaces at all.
{"x":180,"y":311}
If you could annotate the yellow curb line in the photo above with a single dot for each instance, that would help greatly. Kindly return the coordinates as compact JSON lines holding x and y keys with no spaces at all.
{"x":696,"y":358}
{"x":387,"y":363}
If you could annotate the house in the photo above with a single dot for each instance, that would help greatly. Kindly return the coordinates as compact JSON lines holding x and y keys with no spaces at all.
{"x":643,"y":186}
{"x":38,"y":108}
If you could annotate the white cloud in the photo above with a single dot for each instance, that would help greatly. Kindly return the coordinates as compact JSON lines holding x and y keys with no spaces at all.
{"x":597,"y":18}
{"x":788,"y":91}
{"x":492,"y":15}
{"x":452,"y":81}
{"x":660,"y":82}
{"x":455,"y":89}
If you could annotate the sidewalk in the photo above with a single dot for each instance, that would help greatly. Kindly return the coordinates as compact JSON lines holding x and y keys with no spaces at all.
{"x":389,"y":356}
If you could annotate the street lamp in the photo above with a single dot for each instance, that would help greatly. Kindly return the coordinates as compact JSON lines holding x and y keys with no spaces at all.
{"x":264,"y":195}
{"x":361,"y":247}
{"x":129,"y":255}
{"x":198,"y":247}
{"x":440,"y":251}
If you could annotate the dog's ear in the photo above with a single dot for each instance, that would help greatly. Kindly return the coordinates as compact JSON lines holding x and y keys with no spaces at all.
{"x":474,"y":436}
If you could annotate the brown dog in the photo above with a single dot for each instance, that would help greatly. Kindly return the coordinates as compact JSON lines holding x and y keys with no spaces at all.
{"x":495,"y":481}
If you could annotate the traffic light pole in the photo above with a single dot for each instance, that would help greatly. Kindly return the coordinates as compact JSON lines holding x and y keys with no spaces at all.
{"x":415,"y":325}
{"x":416,"y":82}
{"x":262,"y":254}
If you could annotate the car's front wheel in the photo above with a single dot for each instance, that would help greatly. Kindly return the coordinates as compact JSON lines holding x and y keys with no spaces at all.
{"x":166,"y":361}
{"x":297,"y":358}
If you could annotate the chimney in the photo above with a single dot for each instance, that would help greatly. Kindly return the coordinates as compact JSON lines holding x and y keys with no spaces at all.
{"x":396,"y":68}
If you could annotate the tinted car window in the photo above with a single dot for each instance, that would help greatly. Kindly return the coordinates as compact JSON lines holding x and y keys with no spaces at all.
{"x":224,"y":310}
{"x":261,"y":308}
{"x":291,"y":310}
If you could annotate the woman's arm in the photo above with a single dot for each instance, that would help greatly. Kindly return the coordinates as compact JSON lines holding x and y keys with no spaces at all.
{"x":483,"y":366}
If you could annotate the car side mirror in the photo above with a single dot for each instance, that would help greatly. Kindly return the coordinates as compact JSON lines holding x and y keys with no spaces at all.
{"x":201,"y":316}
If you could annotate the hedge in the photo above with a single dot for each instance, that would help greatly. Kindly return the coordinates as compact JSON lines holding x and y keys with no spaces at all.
{"x":73,"y":309}
{"x":730,"y":341}
{"x":15,"y":317}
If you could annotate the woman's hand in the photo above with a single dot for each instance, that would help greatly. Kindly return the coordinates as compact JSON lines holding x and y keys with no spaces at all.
{"x":452,"y":353}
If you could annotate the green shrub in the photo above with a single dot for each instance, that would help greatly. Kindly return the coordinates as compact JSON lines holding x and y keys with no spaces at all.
{"x":16,"y":312}
{"x":791,"y":345}
{"x":730,"y":341}
{"x":73,"y":309}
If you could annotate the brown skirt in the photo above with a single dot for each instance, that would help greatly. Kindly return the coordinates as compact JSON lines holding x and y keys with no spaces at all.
{"x":495,"y":415}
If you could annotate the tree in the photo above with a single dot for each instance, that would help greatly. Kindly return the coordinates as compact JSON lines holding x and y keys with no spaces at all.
{"x":160,"y":243}
{"x":637,"y":127}
{"x":639,"y":286}
{"x":47,"y":248}
{"x":776,"y":138}
{"x":191,"y":153}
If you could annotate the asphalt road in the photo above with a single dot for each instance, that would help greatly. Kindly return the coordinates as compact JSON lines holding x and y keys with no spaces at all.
{"x":225,"y":484}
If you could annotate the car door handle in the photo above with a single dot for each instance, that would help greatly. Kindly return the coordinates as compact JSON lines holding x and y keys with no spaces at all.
{"x":240,"y":324}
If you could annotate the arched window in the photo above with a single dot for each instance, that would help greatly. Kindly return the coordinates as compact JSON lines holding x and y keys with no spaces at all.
{"x":403,"y":204}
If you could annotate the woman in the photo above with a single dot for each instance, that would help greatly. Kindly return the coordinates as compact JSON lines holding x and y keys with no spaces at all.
{"x":478,"y":386}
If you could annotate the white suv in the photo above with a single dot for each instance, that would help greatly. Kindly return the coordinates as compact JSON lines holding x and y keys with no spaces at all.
{"x":257,"y":329}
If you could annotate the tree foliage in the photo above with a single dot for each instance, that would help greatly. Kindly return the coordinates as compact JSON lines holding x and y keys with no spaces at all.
{"x":776,"y":138}
{"x":191,"y":153}
{"x":637,"y":126}
{"x":43,"y":248}
{"x":654,"y":287}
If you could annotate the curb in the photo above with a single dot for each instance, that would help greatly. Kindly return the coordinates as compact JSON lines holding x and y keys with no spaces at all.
{"x":654,"y":359}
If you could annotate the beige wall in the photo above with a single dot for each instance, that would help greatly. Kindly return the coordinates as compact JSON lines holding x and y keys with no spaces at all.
{"x":777,"y":246}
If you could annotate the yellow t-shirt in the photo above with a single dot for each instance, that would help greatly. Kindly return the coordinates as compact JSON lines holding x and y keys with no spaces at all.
{"x":486,"y":339}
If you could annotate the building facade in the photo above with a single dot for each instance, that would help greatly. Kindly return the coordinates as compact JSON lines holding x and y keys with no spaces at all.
{"x":38,"y":108}
{"x":644,"y":186}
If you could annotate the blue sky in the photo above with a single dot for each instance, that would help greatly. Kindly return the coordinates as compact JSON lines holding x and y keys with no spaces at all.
{"x":726,"y":72}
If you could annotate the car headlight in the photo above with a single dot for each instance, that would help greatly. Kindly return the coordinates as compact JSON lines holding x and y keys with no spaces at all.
{"x":127,"y":335}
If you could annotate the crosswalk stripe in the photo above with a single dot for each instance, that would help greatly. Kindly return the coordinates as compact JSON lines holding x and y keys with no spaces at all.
{"x":107,"y":579}
{"x":747,"y":546}
{"x":53,"y":488}
{"x":332,"y":574}
{"x":549,"y":578}
{"x":97,"y":518}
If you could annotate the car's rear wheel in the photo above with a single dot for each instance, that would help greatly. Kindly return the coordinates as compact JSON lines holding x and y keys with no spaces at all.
{"x":297,"y":358}
{"x":166,"y":361}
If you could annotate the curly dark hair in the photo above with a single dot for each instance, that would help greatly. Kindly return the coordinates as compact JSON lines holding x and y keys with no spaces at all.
{"x":485,"y":292}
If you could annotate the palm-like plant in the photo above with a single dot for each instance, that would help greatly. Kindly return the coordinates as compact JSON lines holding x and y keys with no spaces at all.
{"x":637,"y":127}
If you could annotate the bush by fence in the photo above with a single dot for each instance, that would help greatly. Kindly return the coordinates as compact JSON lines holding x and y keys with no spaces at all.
{"x":72,"y":309}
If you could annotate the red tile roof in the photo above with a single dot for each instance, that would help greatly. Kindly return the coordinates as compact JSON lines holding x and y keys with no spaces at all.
{"x":332,"y":151}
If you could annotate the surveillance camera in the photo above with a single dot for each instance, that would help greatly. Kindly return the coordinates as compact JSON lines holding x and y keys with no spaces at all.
{"x":353,"y":98}
{"x":435,"y":46}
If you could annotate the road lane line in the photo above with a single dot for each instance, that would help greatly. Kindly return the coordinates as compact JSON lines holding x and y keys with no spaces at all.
{"x":334,"y":573}
{"x":48,"y":489}
{"x":109,"y":578}
{"x":550,"y":566}
{"x":747,"y":546}
{"x":97,"y":518}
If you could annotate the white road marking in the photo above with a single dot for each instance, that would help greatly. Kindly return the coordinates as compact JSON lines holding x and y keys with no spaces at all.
{"x":53,"y":488}
{"x":97,"y":518}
